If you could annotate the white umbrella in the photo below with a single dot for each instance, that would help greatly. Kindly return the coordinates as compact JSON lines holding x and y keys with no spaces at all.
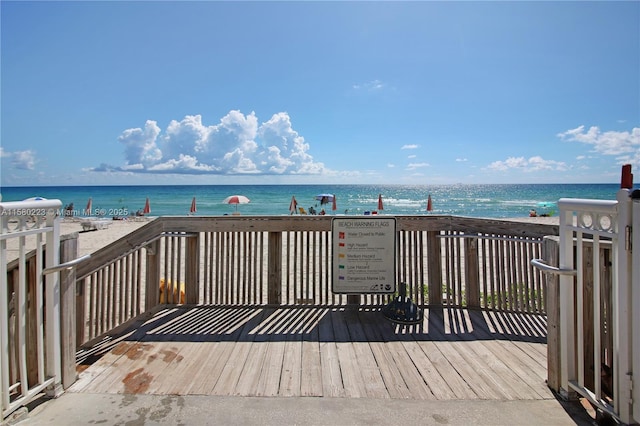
{"x":325,"y":198}
{"x":236,"y":199}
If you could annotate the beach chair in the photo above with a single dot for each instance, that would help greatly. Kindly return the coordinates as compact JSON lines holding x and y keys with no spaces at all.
{"x":95,"y":224}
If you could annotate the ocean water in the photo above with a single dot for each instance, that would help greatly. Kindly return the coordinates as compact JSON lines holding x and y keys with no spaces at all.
{"x":488,"y":201}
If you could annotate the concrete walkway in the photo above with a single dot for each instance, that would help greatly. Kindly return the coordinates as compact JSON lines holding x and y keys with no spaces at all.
{"x":130,"y":410}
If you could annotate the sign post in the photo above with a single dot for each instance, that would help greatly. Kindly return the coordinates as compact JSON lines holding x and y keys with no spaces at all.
{"x":364,"y":255}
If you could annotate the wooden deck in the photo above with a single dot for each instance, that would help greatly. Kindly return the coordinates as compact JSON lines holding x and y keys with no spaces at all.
{"x":323,"y":352}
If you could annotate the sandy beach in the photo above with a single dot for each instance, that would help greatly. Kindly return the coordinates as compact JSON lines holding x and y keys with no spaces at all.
{"x":90,"y":241}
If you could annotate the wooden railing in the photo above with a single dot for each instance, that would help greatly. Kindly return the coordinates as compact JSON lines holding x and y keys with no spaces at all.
{"x":286,"y":260}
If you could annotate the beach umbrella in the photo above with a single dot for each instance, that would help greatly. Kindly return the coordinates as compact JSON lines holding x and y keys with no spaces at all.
{"x":334,"y":206}
{"x":324,"y":198}
{"x":193,"y":208}
{"x":87,"y":210}
{"x":293,"y":206}
{"x":147,"y":207}
{"x":429,"y":204}
{"x":236,"y":199}
{"x":380,"y":205}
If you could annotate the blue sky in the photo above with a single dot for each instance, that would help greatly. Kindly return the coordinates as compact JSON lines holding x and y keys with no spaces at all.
{"x":318,"y":92}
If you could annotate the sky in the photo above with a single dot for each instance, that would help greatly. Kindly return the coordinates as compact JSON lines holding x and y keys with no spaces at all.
{"x":420,"y":92}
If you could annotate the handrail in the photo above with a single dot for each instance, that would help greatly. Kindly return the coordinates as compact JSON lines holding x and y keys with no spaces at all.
{"x":133,"y":248}
{"x":67,"y":265}
{"x":30,"y":207}
{"x":593,"y":206}
{"x":488,"y":237}
{"x":540,"y":264}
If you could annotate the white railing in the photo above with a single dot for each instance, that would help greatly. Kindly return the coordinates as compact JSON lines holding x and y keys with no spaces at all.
{"x":29,"y":316}
{"x":603,"y":324}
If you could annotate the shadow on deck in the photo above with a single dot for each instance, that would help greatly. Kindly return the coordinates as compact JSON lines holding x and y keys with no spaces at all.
{"x":322,"y":351}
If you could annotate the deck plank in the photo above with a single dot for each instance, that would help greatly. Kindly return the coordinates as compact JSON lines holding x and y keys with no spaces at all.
{"x":211,"y":367}
{"x":269,"y":380}
{"x":395,"y":336}
{"x":311,"y":375}
{"x":528,"y":384}
{"x":250,"y":376}
{"x":494,"y":370}
{"x":326,"y":352}
{"x":456,"y":383}
{"x":332,"y":384}
{"x":291,"y":364}
{"x":351,"y":375}
{"x":143,"y":373}
{"x":162,"y":369}
{"x":395,"y":384}
{"x":446,"y":344}
{"x":373,"y":382}
{"x":430,"y":374}
{"x":523,"y":367}
{"x":230,"y":375}
{"x":99,"y":372}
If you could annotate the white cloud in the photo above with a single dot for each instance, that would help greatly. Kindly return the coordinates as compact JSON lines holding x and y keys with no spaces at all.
{"x":184,"y":163}
{"x":141,"y":144}
{"x":410,"y":146}
{"x":238,"y":144}
{"x":23,"y":160}
{"x":461,"y":160}
{"x":531,"y":164}
{"x":607,"y":143}
{"x":413,"y":166}
{"x":369,"y":85}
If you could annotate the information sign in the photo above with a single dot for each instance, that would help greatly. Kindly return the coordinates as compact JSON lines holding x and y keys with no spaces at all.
{"x":364,"y":254}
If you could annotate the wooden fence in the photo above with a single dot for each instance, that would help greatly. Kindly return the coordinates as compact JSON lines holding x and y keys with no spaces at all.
{"x":254,"y":260}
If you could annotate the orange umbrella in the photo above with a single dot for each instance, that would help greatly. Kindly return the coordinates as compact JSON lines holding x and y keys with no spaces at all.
{"x":429,"y":204}
{"x":380,"y":205}
{"x":193,"y":208}
{"x":147,"y":207}
{"x":334,"y":206}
